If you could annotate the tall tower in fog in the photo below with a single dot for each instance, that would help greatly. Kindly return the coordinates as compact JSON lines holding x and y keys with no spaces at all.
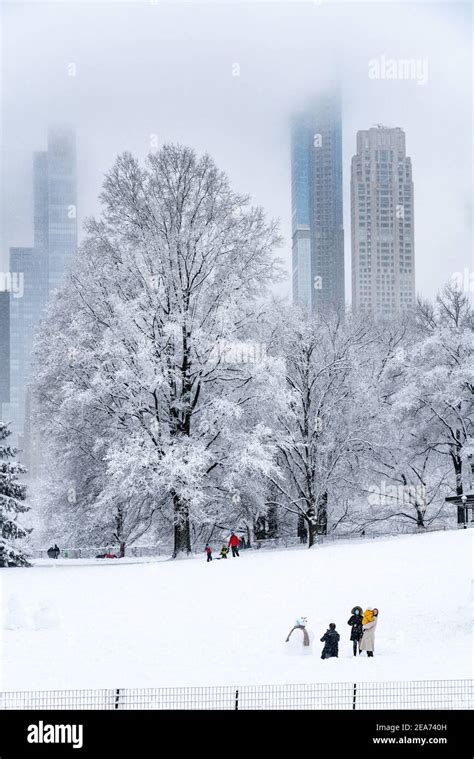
{"x":317,"y":217}
{"x":41,"y":269}
{"x":382,"y":224}
{"x":55,"y":203}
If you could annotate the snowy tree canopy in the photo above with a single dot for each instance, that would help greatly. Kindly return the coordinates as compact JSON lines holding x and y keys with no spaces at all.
{"x":179,"y":401}
{"x":141,"y":378}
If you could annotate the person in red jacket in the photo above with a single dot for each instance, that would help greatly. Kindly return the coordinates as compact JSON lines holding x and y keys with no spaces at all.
{"x":209,"y":553}
{"x":234,"y":544}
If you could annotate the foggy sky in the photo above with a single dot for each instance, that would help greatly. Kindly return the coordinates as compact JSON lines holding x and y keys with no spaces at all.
{"x":145,"y":69}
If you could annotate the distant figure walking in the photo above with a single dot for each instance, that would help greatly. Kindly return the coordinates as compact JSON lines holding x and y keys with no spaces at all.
{"x":224,"y":552}
{"x":234,"y":544}
{"x":54,"y":552}
{"x":331,"y":642}
{"x":355,"y":621}
{"x":209,"y":553}
{"x":369,"y":623}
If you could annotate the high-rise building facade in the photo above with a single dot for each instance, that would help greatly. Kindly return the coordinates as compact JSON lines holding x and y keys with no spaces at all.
{"x":4,"y":347}
{"x":317,"y":211}
{"x":61,"y":204}
{"x":382,"y":224}
{"x":55,"y":224}
{"x":42,"y":268}
{"x":41,"y":222}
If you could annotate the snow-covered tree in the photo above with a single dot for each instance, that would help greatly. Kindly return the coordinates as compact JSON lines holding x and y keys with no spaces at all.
{"x":147,"y":364}
{"x":323,"y":426}
{"x":398,"y":481}
{"x":436,"y":399}
{"x":12,"y":497}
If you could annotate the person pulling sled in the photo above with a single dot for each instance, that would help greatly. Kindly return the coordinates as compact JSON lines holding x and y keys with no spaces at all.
{"x":234,"y":544}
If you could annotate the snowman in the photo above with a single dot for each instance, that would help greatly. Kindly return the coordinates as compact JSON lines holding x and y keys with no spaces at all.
{"x":15,"y":617}
{"x":45,"y":617}
{"x":300,"y":638}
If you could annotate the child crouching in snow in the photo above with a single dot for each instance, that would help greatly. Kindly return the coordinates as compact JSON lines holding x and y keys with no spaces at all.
{"x":224,"y":552}
{"x":331,"y":642}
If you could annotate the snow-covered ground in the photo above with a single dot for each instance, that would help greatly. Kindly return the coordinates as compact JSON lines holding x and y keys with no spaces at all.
{"x":103,"y":624}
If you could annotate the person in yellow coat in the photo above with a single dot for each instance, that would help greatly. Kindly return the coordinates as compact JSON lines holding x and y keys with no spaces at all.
{"x":367,"y":616}
{"x":369,"y":623}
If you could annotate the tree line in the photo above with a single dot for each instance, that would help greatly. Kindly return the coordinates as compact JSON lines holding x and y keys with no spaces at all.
{"x":176,"y":397}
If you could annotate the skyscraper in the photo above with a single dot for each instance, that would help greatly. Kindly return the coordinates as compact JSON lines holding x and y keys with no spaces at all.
{"x":43,"y":267}
{"x":382,"y":224}
{"x":55,"y":224}
{"x":4,"y":347}
{"x":317,"y":215}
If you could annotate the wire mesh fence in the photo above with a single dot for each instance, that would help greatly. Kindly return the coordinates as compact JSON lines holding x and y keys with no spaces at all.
{"x":416,"y":694}
{"x":165,"y":549}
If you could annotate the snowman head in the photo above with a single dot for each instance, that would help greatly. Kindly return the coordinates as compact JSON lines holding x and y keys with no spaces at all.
{"x":302,"y":621}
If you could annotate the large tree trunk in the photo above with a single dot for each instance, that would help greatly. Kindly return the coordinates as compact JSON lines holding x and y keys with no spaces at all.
{"x":312,"y":532}
{"x":248,"y":537}
{"x":322,"y":520}
{"x":272,"y":517}
{"x":301,"y":530}
{"x":260,"y":528}
{"x":457,"y":464}
{"x":312,"y":525}
{"x":119,"y":536}
{"x":419,"y":517}
{"x":182,"y":532}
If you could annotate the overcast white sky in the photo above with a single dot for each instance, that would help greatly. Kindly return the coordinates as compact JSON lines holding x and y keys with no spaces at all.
{"x":166,"y":69}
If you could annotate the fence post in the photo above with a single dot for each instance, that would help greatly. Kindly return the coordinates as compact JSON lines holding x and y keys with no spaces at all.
{"x":117,"y":697}
{"x":354,"y":696}
{"x":237,"y":699}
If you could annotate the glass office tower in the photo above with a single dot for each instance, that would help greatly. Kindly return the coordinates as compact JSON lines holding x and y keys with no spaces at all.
{"x":317,"y":211}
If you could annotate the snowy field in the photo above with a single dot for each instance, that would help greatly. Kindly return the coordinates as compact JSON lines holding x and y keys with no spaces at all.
{"x":149,"y":623}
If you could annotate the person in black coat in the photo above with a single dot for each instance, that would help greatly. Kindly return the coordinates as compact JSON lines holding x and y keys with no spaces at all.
{"x":355,"y":621}
{"x":331,"y":642}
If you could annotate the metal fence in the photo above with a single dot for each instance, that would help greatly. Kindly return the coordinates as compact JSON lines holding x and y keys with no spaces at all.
{"x":91,"y":552}
{"x":164,"y":549}
{"x":417,"y":694}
